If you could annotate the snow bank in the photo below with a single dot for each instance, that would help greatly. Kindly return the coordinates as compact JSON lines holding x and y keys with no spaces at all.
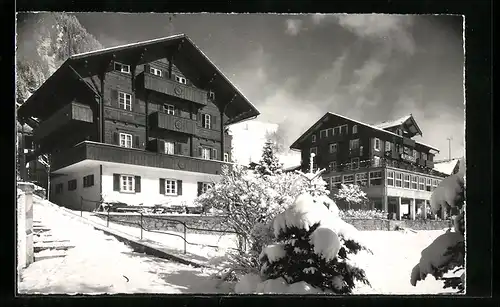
{"x":448,"y":192}
{"x":274,"y":252}
{"x":252,"y":283}
{"x":247,"y":284}
{"x":326,"y":243}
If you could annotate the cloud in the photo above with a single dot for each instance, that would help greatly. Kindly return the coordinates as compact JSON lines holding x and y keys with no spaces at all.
{"x":392,"y":30}
{"x":293,"y":26}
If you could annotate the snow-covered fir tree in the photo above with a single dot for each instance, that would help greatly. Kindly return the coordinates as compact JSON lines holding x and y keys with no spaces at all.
{"x":269,"y":164}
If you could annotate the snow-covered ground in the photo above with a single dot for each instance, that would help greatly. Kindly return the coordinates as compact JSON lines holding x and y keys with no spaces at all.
{"x":100,"y":264}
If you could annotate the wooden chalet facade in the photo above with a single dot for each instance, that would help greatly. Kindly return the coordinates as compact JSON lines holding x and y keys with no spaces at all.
{"x":135,"y":121}
{"x":394,"y":170}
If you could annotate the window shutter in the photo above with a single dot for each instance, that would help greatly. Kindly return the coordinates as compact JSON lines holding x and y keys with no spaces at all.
{"x":179,"y":187}
{"x":114,"y":98}
{"x":136,"y":139}
{"x":164,"y":74}
{"x":178,"y":148}
{"x":116,"y":139}
{"x":116,"y":182}
{"x":200,"y":152}
{"x":162,"y":186}
{"x":214,"y":122}
{"x":137,"y":184}
{"x":200,"y":188}
{"x":92,"y":180}
{"x":202,"y":120}
{"x":214,"y":154}
{"x":161,"y":146}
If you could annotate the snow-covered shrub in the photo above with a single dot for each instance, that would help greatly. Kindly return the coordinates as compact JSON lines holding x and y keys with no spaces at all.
{"x":447,"y":252}
{"x":351,"y":195}
{"x":269,"y":164}
{"x":310,"y":254}
{"x":363,"y":214}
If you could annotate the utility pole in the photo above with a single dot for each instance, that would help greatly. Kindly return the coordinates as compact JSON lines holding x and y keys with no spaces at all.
{"x":449,"y":147}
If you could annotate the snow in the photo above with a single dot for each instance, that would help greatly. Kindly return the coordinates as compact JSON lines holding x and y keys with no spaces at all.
{"x":393,"y":123}
{"x":326,"y":242}
{"x":101,"y":264}
{"x":274,"y":252}
{"x":446,"y":167}
{"x":247,"y":283}
{"x":447,"y":192}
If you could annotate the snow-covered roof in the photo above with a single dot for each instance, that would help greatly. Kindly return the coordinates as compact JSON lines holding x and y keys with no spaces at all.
{"x":446,"y":167}
{"x":314,"y":127}
{"x":393,"y":123}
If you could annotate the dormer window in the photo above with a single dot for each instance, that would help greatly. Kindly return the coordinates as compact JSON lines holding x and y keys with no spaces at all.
{"x":313,"y":138}
{"x":123,"y":68}
{"x":180,"y":80}
{"x":211,"y":96}
{"x":155,"y":71}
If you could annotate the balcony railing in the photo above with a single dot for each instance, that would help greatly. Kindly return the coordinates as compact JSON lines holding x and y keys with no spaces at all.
{"x":125,"y":116}
{"x":172,"y":88}
{"x":172,"y":122}
{"x":112,"y":153}
{"x":72,"y":112}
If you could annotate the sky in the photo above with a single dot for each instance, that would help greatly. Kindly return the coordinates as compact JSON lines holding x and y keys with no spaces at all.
{"x":295,"y":68}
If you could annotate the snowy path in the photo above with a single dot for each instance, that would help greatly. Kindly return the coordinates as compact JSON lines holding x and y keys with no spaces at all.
{"x":100,"y":264}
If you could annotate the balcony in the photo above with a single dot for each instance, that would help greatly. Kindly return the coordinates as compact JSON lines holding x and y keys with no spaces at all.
{"x":112,"y":153}
{"x":408,"y":142}
{"x":408,"y":158}
{"x":169,"y":87}
{"x":124,"y":116}
{"x":71,"y":114}
{"x":356,"y":152}
{"x":171,"y":122}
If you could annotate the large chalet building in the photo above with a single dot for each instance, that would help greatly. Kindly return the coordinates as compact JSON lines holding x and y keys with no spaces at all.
{"x":395,"y":171}
{"x":134,"y":122}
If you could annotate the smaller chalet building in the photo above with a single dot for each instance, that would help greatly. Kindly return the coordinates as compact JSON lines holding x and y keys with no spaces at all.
{"x":395,"y":171}
{"x":135,"y":123}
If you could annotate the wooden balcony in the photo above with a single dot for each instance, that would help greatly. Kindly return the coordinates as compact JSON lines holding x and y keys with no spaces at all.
{"x":112,"y":153}
{"x":408,"y":158}
{"x":171,"y":122}
{"x":208,"y":134}
{"x":172,"y":88}
{"x":124,"y":116}
{"x":71,"y":113}
{"x":408,"y":142}
{"x":429,"y":164}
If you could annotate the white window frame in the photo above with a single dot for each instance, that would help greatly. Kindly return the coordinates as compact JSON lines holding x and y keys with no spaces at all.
{"x":169,"y":109}
{"x":155,"y":71}
{"x":333,"y":146}
{"x":125,"y":101}
{"x":211,"y":96}
{"x":421,"y":183}
{"x":375,"y":142}
{"x":336,"y":129}
{"x":313,"y":150}
{"x":346,"y":129}
{"x":126,"y":140}
{"x":204,"y":151}
{"x":323,"y":132}
{"x":375,"y":175}
{"x":226,"y":157}
{"x":390,"y":176}
{"x":435,"y":183}
{"x":388,"y":146}
{"x":208,"y":121}
{"x":313,"y":138}
{"x":180,"y":79}
{"x":361,"y":178}
{"x":352,"y":143}
{"x":354,"y":129}
{"x":127,"y":184}
{"x":357,"y":163}
{"x":123,"y":68}
{"x":428,"y":183}
{"x":171,"y":186}
{"x":398,"y":177}
{"x":414,"y":182}
{"x":169,"y":148}
{"x":376,"y":161}
{"x":406,"y":181}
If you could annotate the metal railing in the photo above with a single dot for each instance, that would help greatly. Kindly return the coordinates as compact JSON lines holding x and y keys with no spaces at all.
{"x":241,"y":239}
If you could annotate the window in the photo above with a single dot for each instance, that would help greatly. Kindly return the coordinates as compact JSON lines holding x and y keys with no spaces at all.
{"x":335,"y":182}
{"x":170,"y":187}
{"x":434,"y":184}
{"x":354,"y":144}
{"x":388,"y":146}
{"x":207,"y":122}
{"x":226,"y":157}
{"x":180,"y":79}
{"x":355,"y":163}
{"x":314,"y":150}
{"x":211,"y":96}
{"x":126,"y":140}
{"x":169,"y":109}
{"x":421,"y":184}
{"x":72,"y":185}
{"x":343,"y":129}
{"x":205,"y":153}
{"x":361,"y":179}
{"x":332,"y":166}
{"x":205,"y":186}
{"x":354,"y":129}
{"x":415,"y":154}
{"x":414,"y":182}
{"x":125,"y":101}
{"x":348,"y":179}
{"x":376,"y":161}
{"x":59,"y":188}
{"x":376,"y":144}
{"x":333,"y":148}
{"x":376,"y":178}
{"x":406,"y":181}
{"x":399,"y":131}
{"x":127,"y":183}
{"x":313,"y":138}
{"x":336,"y":131}
{"x":155,"y":71}
{"x":323,"y":133}
{"x":390,"y":178}
{"x":428,"y":186}
{"x":122,"y":68}
{"x":88,"y":181}
{"x":399,"y":177}
{"x":169,"y":148}
{"x":424,"y":156}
